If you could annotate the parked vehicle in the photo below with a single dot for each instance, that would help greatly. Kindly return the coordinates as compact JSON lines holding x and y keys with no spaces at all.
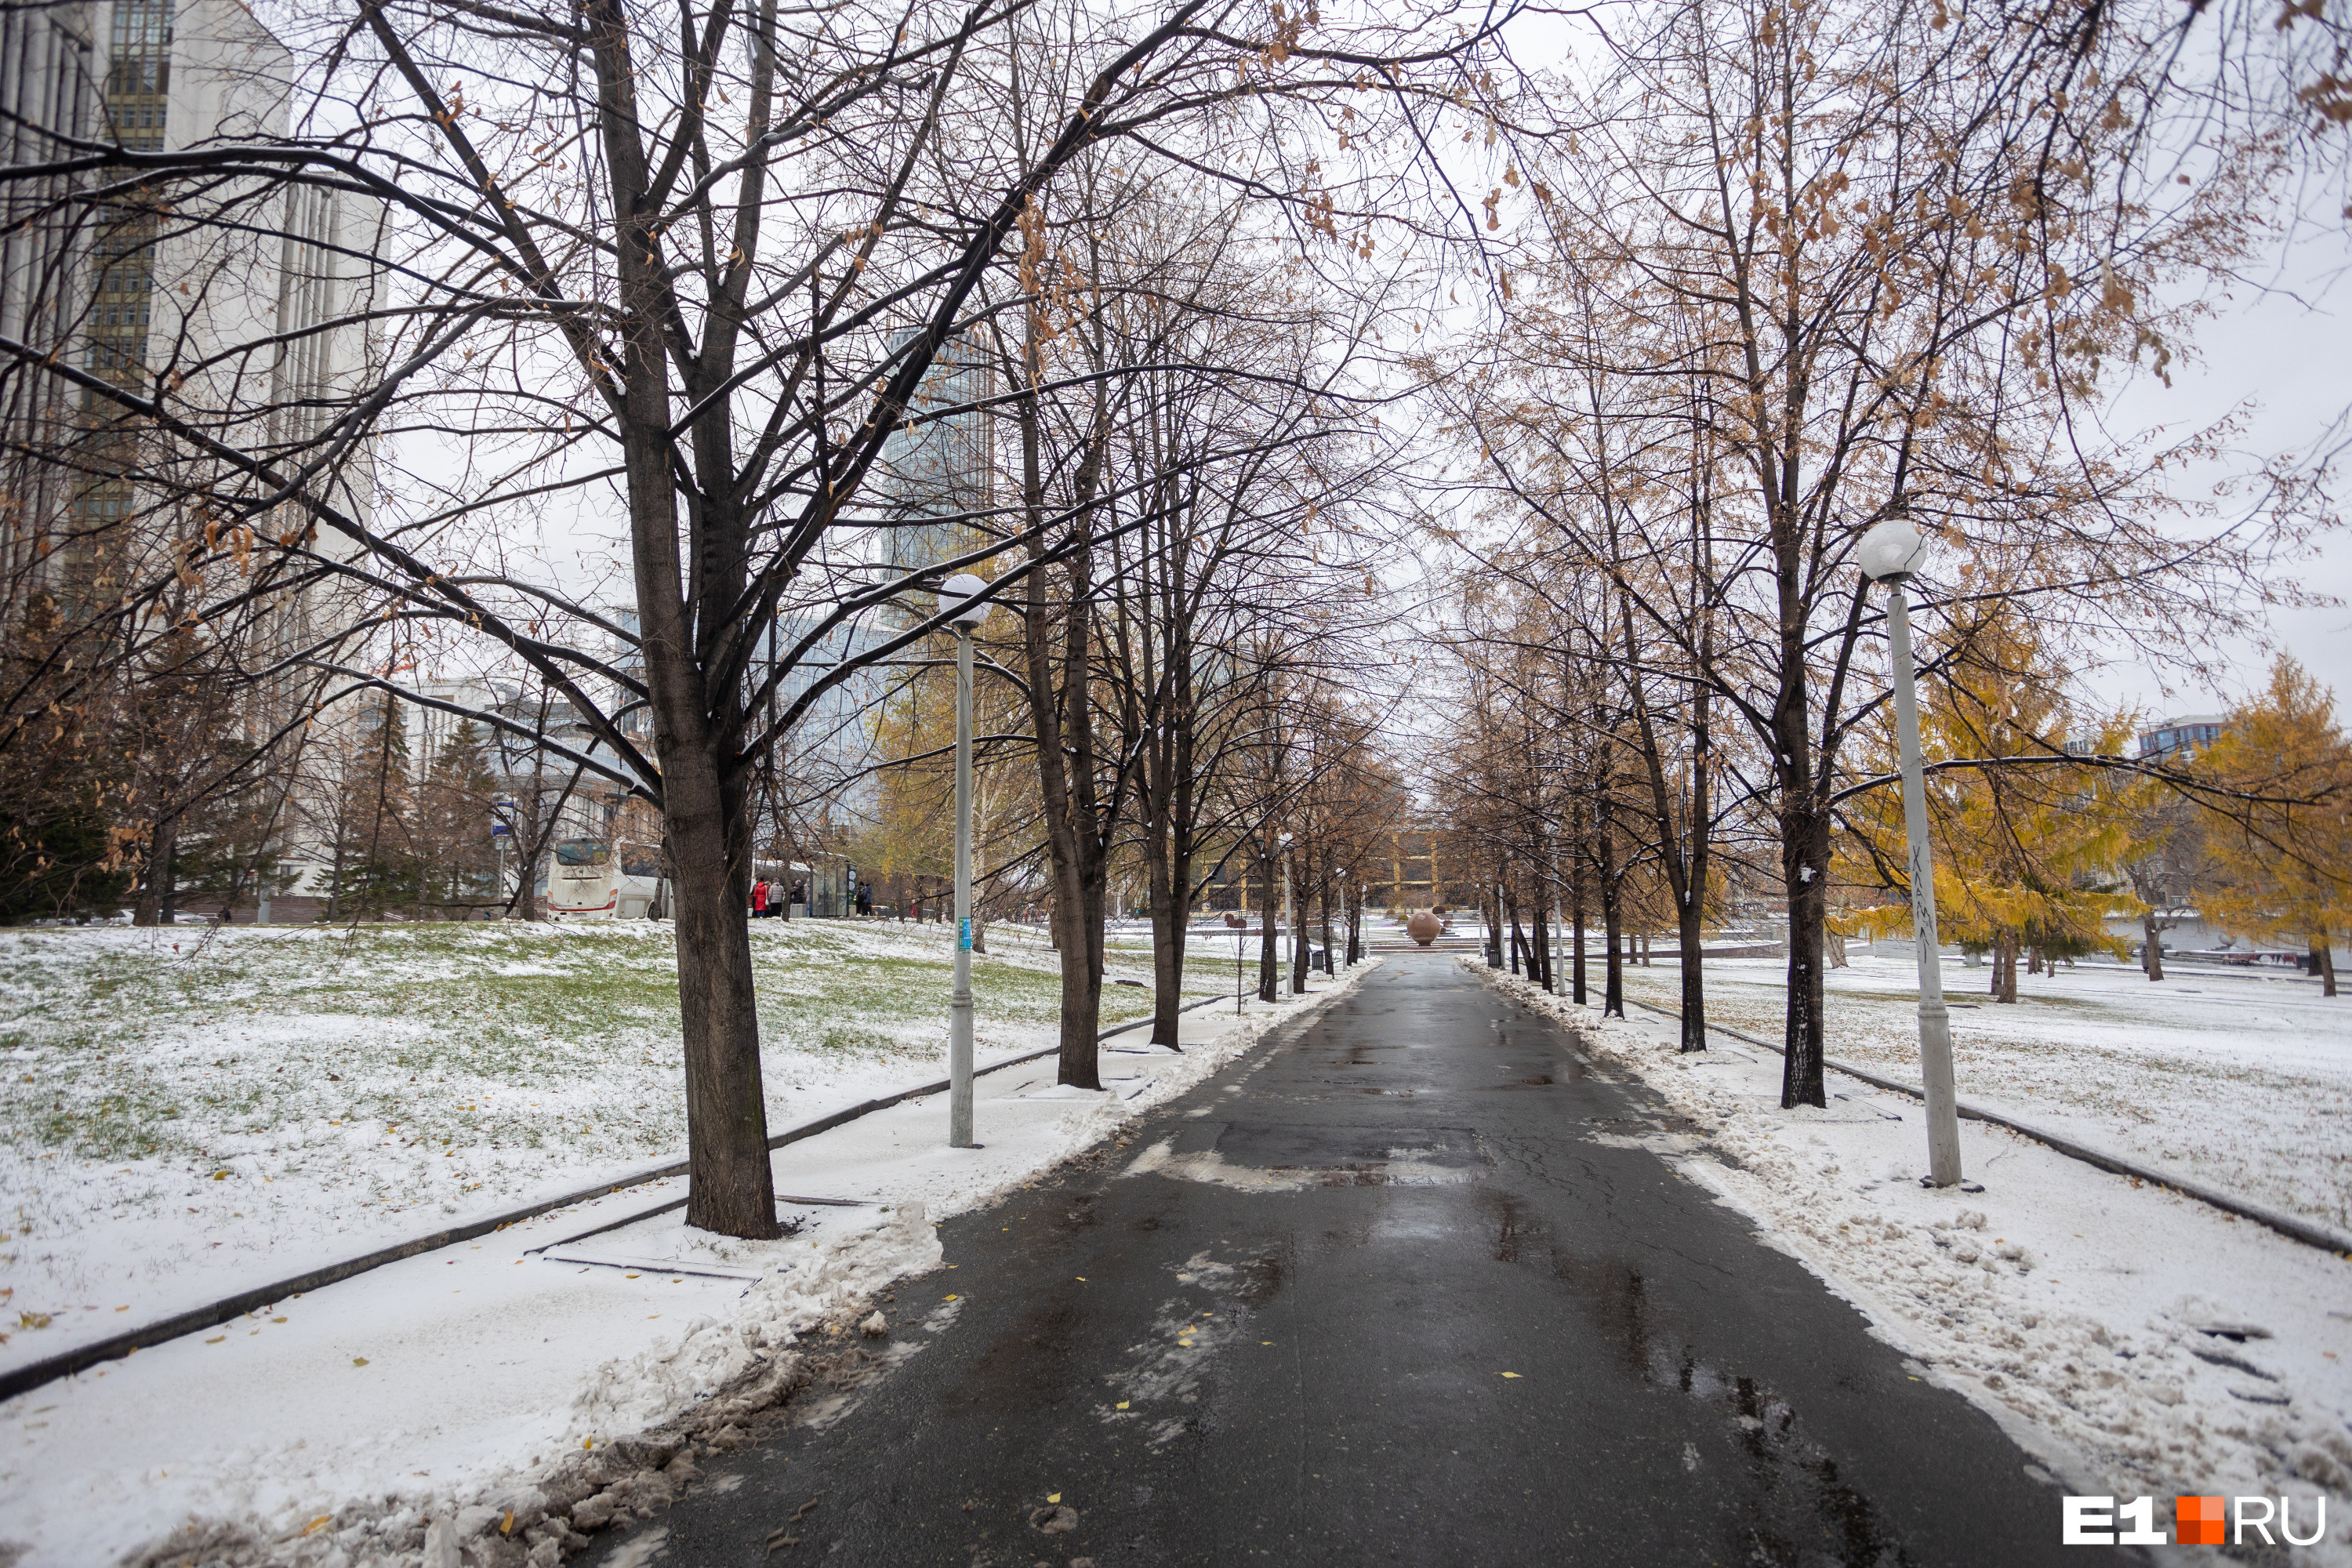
{"x":598,"y":877}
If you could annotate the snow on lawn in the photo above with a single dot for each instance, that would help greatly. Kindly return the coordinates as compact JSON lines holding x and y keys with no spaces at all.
{"x":2073,"y":1305}
{"x":458,"y":1405}
{"x":188,"y":1112}
{"x":2241,"y":1081}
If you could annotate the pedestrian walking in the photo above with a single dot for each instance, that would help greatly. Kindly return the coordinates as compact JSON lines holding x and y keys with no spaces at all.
{"x":760,"y":898}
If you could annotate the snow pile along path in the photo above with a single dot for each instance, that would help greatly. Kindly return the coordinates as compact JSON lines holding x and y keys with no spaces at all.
{"x":492,"y":1403}
{"x":2137,"y":1341}
{"x":2241,"y":1080}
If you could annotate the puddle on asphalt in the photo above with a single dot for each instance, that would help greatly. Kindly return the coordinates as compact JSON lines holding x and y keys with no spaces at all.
{"x":1795,"y":1505}
{"x":1511,"y":1222}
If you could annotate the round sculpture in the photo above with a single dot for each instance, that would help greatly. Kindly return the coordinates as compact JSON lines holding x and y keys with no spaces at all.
{"x":1423,"y":926}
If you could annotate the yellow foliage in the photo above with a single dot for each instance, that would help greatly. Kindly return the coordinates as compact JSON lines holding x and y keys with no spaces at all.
{"x":2023,"y":853}
{"x":2285,"y":858}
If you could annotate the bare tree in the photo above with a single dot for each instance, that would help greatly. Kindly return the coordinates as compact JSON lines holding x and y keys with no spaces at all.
{"x":685,"y":272}
{"x":1830,"y":265}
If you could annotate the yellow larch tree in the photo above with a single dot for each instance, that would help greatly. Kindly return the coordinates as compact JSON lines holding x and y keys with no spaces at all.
{"x":2280,"y":824}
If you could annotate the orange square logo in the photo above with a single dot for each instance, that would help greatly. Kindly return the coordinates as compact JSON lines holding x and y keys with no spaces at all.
{"x":2197,"y":1521}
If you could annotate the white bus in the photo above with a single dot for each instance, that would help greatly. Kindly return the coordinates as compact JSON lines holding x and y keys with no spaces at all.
{"x":599,"y":878}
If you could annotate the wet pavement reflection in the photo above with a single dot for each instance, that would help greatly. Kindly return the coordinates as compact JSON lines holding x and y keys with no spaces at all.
{"x":1419,"y":1293}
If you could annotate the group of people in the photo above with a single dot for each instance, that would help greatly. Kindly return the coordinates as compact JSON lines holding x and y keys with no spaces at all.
{"x":771,"y":899}
{"x":764,"y":901}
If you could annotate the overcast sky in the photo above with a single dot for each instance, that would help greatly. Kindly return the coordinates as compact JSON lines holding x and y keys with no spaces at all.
{"x":2286,"y":355}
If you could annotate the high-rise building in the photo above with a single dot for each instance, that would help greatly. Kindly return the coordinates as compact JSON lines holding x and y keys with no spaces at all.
{"x":936,"y":479}
{"x":238,"y":305}
{"x":52,"y":81}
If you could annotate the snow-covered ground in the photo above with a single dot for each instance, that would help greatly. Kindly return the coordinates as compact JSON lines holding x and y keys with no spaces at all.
{"x":190,"y":1112}
{"x":458,"y":1396}
{"x":2238,"y":1081}
{"x":2078,"y":1308}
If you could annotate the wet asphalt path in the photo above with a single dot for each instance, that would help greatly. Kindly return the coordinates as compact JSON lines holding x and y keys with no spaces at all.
{"x":1285,"y":1343}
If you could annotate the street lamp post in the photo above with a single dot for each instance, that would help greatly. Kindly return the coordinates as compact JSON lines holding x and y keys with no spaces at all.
{"x":967,"y":617}
{"x":1324,"y":899}
{"x":1891,"y":552}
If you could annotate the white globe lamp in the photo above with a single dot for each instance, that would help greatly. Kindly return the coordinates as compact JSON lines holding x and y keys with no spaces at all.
{"x":1892,"y":551}
{"x":960,"y":596}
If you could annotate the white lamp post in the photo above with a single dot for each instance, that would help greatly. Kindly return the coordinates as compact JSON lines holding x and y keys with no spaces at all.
{"x":1337,"y":873}
{"x":966,"y":616}
{"x":1891,"y":552}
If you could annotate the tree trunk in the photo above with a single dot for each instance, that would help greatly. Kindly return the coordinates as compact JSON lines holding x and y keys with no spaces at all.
{"x":2323,"y":963}
{"x":154,"y":905}
{"x":1612,"y":992}
{"x":1170,"y":918}
{"x":1576,"y":930}
{"x":1079,"y":914}
{"x":1323,"y":912}
{"x":706,"y":801}
{"x":2151,"y":949}
{"x":1543,"y":943}
{"x":1079,"y":821}
{"x":1805,"y":851}
{"x":1269,"y":926}
{"x":707,"y":831}
{"x":1298,"y":930}
{"x":1687,"y":937}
